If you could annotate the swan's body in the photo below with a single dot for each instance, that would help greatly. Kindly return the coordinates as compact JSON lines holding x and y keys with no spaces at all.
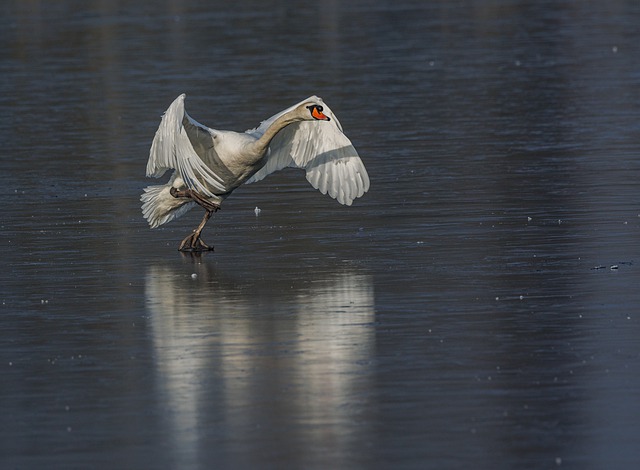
{"x":209,"y":164}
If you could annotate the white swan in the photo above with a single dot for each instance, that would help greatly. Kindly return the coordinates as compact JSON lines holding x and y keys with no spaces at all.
{"x":209,"y":164}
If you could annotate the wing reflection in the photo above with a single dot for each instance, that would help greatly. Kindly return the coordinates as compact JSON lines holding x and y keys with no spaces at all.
{"x":234,"y":357}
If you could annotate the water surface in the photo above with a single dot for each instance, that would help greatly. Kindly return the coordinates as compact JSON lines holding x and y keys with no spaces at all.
{"x":478,"y":308}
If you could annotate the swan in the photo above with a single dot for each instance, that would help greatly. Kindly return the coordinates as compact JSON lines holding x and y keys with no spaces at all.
{"x":210,"y":164}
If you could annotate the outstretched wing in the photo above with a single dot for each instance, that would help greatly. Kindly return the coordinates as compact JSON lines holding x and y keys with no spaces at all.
{"x":331,"y":162}
{"x":176,"y":144}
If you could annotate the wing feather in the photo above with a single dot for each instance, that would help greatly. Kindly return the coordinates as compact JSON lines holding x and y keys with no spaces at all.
{"x":172,"y":149}
{"x":332,"y":164}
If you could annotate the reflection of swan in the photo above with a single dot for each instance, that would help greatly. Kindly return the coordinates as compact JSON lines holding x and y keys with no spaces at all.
{"x":210,"y":164}
{"x":228,"y":360}
{"x":334,"y":325}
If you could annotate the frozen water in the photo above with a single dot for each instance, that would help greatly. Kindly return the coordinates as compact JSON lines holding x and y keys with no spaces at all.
{"x":426,"y":326}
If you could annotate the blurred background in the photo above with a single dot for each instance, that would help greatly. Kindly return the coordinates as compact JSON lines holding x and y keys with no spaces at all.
{"x":478,"y":308}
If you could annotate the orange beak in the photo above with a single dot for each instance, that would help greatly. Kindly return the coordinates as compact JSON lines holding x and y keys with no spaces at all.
{"x":319,"y":115}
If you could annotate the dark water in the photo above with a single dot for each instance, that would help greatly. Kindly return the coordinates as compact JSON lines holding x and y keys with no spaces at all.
{"x":451,"y":318}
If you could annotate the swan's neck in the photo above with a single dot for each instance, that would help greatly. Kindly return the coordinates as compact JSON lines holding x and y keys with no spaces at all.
{"x":262,"y":144}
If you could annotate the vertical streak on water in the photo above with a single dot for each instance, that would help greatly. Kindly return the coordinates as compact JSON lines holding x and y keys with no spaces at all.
{"x":213,"y":347}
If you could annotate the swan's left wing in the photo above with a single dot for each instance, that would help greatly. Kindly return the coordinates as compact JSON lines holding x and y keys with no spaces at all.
{"x":331,"y":162}
{"x":172,"y":148}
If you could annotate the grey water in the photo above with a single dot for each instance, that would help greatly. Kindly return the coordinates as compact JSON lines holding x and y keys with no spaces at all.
{"x":477,"y":308}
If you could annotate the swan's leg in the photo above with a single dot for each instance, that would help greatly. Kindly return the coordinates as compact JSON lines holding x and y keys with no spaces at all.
{"x":196,"y":197}
{"x":193,"y":242}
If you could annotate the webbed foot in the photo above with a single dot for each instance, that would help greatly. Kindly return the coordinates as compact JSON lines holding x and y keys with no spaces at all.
{"x":193,"y":243}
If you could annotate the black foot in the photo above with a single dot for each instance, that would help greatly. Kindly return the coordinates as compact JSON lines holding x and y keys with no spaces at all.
{"x":193,"y":243}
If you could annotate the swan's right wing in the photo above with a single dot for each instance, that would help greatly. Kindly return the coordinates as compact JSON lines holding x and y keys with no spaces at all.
{"x":172,"y":149}
{"x":331,"y":162}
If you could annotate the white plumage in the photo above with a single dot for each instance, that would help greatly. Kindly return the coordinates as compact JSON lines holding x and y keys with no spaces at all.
{"x":209,"y":164}
{"x":331,"y":162}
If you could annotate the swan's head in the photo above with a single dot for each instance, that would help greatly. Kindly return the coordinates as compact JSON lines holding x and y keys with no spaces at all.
{"x":316,"y":112}
{"x":312,"y":110}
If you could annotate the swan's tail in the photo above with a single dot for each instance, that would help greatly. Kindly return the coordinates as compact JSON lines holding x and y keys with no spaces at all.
{"x":160,"y":207}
